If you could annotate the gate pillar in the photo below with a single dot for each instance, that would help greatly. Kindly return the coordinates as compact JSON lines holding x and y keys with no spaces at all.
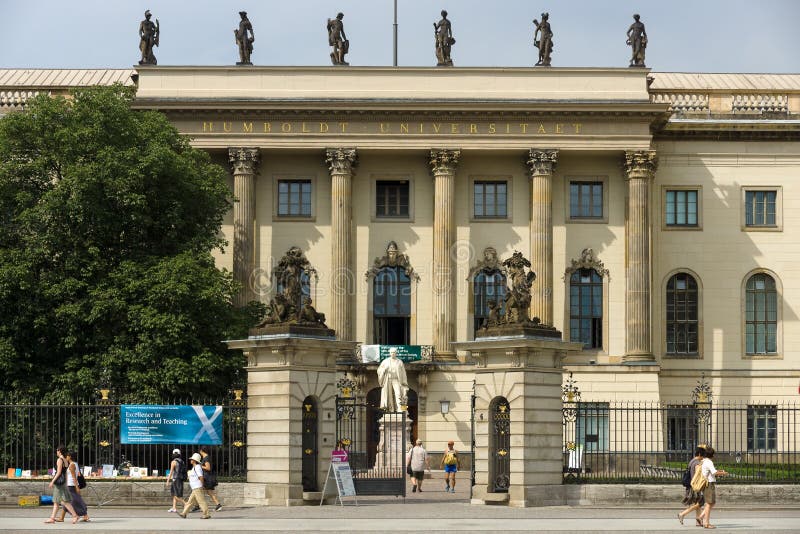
{"x":518,"y":425}
{"x":283,"y":370}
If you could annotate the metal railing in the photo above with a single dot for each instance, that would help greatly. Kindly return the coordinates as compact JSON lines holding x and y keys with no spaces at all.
{"x":31,"y":431}
{"x":643,"y":442}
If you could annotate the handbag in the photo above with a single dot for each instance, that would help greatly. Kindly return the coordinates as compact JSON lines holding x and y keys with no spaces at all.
{"x":81,"y":481}
{"x":62,"y":478}
{"x":410,"y":471}
{"x":699,"y":482}
{"x":209,"y":480}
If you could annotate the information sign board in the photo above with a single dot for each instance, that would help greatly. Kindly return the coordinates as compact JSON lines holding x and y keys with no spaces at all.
{"x":171,"y":424}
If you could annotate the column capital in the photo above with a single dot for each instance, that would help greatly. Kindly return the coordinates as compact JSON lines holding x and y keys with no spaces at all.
{"x":243,"y":160}
{"x":444,"y":160}
{"x":341,"y":160}
{"x":640,"y":164}
{"x":542,"y":161}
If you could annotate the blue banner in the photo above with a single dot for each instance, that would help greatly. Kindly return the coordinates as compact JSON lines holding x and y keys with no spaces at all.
{"x":190,"y":425}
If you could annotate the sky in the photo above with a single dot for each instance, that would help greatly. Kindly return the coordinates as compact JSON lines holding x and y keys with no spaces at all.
{"x":684,"y":35}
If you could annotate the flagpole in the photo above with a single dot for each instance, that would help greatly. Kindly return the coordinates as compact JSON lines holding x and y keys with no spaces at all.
{"x":394,"y":27}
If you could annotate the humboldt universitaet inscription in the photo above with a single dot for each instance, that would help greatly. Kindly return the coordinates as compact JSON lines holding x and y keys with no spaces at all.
{"x":387,"y":128}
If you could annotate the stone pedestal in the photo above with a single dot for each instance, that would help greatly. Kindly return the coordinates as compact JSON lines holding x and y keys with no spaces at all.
{"x":282,"y":371}
{"x":392,"y":447}
{"x":526,"y":372}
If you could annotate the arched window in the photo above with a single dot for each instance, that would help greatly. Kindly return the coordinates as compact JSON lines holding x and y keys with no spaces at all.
{"x":391,"y":306}
{"x":586,"y":308}
{"x":486,"y":286}
{"x":682,"y":315}
{"x":761,"y":315}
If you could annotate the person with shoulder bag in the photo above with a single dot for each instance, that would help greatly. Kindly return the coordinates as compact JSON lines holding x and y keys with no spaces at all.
{"x":74,"y":479}
{"x":196,"y":483}
{"x":210,"y":478}
{"x":176,"y":478}
{"x":693,"y":498}
{"x":710,"y":473}
{"x":451,"y":464}
{"x":61,"y":494}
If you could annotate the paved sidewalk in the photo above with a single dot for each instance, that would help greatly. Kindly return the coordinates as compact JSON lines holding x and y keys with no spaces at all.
{"x":427,"y":514}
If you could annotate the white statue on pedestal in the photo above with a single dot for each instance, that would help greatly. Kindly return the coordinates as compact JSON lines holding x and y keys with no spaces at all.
{"x":393,"y":382}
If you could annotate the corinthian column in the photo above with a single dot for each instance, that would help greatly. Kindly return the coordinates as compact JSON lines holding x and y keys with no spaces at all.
{"x":244,"y":162}
{"x":340,"y":163}
{"x":443,"y":167}
{"x":640,"y":168}
{"x":541,"y":164}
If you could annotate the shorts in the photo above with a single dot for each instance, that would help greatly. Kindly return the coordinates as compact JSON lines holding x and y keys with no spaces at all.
{"x":451,"y":468}
{"x":419,"y":475}
{"x":176,"y":489}
{"x":710,"y":493}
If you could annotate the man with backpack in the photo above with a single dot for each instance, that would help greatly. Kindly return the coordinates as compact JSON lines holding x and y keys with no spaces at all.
{"x":450,"y":463}
{"x":177,"y":476}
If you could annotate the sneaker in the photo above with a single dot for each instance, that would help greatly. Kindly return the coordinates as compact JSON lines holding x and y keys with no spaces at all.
{"x":172,"y":510}
{"x":452,"y":490}
{"x":413,"y":489}
{"x":182,"y":515}
{"x":195,"y":509}
{"x":447,"y":487}
{"x":206,"y":517}
{"x":218,"y":507}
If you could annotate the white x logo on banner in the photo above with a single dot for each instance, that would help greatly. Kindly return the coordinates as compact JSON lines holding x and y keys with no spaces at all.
{"x":208,"y":423}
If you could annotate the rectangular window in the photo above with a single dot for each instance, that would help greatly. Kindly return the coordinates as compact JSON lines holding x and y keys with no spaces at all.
{"x":762,"y":428}
{"x":760,"y":208}
{"x":294,"y":198}
{"x":681,"y":428}
{"x":586,"y":200}
{"x":591,"y":426}
{"x":681,"y":208}
{"x":391,"y":198}
{"x":490,"y":200}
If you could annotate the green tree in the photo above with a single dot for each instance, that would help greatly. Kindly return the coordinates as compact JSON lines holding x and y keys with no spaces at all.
{"x":108,"y":221}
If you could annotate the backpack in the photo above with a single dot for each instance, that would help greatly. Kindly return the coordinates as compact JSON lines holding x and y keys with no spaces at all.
{"x":450,"y":458}
{"x":699,"y":482}
{"x":687,"y":479}
{"x":180,"y":474}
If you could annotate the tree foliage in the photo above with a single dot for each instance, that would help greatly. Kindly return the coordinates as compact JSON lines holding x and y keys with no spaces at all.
{"x":108,"y":221}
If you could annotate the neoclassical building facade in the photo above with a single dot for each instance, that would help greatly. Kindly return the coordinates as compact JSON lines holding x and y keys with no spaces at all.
{"x":653,"y":208}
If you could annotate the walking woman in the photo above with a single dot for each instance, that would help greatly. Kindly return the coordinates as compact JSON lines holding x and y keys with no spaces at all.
{"x":61,"y":494}
{"x":74,"y":488}
{"x":711,"y":473}
{"x":693,"y":498}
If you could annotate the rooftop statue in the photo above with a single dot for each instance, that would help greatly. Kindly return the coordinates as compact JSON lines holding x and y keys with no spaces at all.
{"x":444,"y":41}
{"x":637,"y":39}
{"x":545,"y":41}
{"x":149,"y":34}
{"x":338,"y":40}
{"x":243,"y":41}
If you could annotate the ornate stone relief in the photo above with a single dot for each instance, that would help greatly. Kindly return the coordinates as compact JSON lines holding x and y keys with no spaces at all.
{"x":393,"y":258}
{"x":489,"y":264}
{"x":587,"y":261}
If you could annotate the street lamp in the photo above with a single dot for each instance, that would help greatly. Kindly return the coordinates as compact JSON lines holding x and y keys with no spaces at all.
{"x":444,"y":407}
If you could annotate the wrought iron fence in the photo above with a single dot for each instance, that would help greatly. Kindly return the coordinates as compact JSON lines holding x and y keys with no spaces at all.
{"x":642,"y":442}
{"x":31,"y":431}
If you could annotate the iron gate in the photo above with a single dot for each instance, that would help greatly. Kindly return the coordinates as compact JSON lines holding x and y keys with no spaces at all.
{"x":376,"y":442}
